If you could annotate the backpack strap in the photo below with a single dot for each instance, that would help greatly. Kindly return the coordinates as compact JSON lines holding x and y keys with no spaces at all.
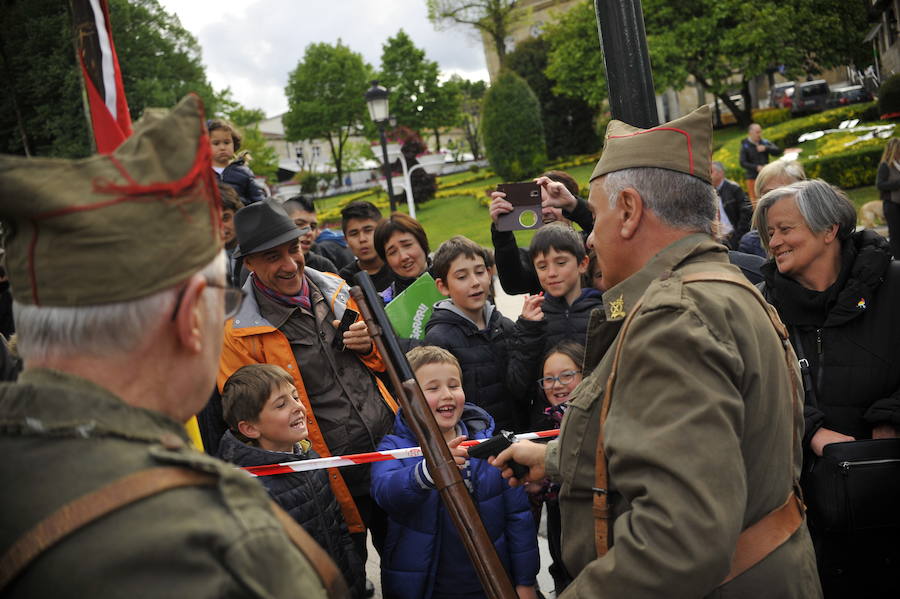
{"x":128,"y":490}
{"x":772,"y":530}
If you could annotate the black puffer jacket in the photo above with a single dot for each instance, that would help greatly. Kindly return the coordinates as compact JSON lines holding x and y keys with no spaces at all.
{"x":485,"y":357}
{"x":850,"y":334}
{"x":238,"y":175}
{"x":561,"y":321}
{"x":307,"y":497}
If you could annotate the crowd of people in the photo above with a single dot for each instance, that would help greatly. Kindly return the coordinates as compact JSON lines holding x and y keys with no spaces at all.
{"x":739,"y":336}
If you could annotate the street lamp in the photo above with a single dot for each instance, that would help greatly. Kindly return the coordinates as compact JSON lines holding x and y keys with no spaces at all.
{"x":377,"y":99}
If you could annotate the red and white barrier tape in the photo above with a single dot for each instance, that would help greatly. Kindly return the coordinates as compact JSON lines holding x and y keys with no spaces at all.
{"x":366,"y":458}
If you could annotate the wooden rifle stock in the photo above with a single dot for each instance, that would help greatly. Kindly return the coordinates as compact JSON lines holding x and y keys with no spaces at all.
{"x":440,"y":462}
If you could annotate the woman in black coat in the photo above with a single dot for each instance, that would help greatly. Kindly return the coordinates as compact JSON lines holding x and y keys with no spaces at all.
{"x":838,"y":292}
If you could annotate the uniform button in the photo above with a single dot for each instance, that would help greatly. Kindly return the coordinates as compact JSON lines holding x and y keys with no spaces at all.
{"x":340,"y":372}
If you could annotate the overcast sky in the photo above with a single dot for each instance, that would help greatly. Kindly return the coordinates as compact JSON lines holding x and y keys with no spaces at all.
{"x":252,"y":45}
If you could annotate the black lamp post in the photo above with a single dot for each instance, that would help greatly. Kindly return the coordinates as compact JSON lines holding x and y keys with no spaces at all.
{"x":377,"y":99}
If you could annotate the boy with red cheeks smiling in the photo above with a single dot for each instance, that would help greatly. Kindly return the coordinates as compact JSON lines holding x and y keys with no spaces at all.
{"x":423,"y":557}
{"x":267,"y":425}
{"x":473,"y":330}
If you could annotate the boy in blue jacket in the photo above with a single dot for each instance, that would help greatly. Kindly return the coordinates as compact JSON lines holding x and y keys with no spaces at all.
{"x":423,"y":556}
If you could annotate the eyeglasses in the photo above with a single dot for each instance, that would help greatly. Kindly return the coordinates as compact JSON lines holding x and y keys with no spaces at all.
{"x":564,"y":378}
{"x":234,"y":298}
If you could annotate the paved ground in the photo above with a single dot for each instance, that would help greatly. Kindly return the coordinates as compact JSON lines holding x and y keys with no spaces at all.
{"x":509,"y":306}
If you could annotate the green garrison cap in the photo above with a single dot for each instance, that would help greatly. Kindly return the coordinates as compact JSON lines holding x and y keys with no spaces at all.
{"x":683,"y":145}
{"x":113,"y":227}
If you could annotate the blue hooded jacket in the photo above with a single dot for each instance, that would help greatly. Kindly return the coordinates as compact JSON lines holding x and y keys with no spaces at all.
{"x":417,"y":519}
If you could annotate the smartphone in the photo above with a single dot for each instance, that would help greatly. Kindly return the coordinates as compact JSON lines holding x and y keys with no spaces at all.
{"x":347,"y":319}
{"x":526,"y":212}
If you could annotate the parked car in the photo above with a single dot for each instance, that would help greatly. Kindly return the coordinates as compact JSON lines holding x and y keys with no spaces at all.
{"x":810,"y":96}
{"x":781,"y":94}
{"x":851,"y":94}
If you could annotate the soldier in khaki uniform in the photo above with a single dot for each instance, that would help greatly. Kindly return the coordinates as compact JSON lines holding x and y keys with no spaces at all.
{"x":699,"y":453}
{"x":118,"y":276}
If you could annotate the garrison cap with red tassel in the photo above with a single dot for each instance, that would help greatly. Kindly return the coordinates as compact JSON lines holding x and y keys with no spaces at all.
{"x":113,"y":227}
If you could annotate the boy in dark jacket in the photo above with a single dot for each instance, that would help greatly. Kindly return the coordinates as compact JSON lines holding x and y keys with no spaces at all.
{"x":564,"y":308}
{"x":474,"y":331}
{"x":267,"y":425}
{"x":423,"y":556}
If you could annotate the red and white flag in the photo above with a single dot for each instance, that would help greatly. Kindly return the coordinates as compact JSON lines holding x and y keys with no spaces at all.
{"x":110,"y":119}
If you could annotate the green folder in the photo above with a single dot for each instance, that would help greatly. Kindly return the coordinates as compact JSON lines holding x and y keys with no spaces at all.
{"x":411,"y":310}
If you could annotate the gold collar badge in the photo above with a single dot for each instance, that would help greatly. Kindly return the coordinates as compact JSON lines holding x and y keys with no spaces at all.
{"x":617,"y":308}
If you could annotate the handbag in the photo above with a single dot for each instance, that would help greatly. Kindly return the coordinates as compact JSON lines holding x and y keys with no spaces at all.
{"x":855,"y":485}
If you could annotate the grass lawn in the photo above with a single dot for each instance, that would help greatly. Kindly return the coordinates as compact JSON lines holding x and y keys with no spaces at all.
{"x":463,"y":214}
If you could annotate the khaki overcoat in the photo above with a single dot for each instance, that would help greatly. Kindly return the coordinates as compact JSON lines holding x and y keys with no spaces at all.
{"x":702,"y":439}
{"x":62,"y":437}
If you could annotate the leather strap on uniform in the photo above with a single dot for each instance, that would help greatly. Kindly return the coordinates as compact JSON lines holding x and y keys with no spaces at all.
{"x":93,"y":506}
{"x":601,"y":484}
{"x":328,"y":573}
{"x":761,"y":538}
{"x":765,"y":536}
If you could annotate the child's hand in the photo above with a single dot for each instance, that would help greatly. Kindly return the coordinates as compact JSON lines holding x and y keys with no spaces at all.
{"x":556,"y":195}
{"x":460,"y":454}
{"x":531,"y":309}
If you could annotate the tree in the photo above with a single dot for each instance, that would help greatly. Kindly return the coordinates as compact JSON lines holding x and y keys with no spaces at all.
{"x":471,"y":94}
{"x":494,"y":19}
{"x":574,"y":57}
{"x":568,"y":122}
{"x":158,"y":58}
{"x":326,"y":97}
{"x":724,"y":43}
{"x":513,"y":134}
{"x":418,"y":100}
{"x":41,"y":108}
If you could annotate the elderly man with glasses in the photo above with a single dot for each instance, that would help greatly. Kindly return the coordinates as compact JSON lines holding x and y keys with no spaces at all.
{"x":103,"y":494}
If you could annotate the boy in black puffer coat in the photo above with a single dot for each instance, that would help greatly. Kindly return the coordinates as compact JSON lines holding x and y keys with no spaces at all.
{"x":474,"y":331}
{"x":261,"y":405}
{"x":562,"y":311}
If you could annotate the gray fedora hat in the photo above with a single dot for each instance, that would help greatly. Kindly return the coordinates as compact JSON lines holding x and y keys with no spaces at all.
{"x":262,"y":226}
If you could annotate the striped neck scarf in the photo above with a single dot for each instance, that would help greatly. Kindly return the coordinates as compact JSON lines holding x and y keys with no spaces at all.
{"x":301,"y":299}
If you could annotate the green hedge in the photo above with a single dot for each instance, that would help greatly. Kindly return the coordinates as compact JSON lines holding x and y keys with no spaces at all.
{"x":787,"y":134}
{"x":848,"y":169}
{"x":768,"y":117}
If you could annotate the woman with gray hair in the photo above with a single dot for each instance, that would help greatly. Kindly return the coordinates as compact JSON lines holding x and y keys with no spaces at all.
{"x":837,"y":291}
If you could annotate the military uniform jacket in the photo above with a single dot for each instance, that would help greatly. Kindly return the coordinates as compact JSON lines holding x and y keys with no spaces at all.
{"x":63,"y":437}
{"x":700,"y":440}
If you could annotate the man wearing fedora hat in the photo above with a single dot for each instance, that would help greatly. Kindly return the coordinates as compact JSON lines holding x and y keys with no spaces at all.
{"x":102,"y":493}
{"x":681,"y":445}
{"x":289,"y":318}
